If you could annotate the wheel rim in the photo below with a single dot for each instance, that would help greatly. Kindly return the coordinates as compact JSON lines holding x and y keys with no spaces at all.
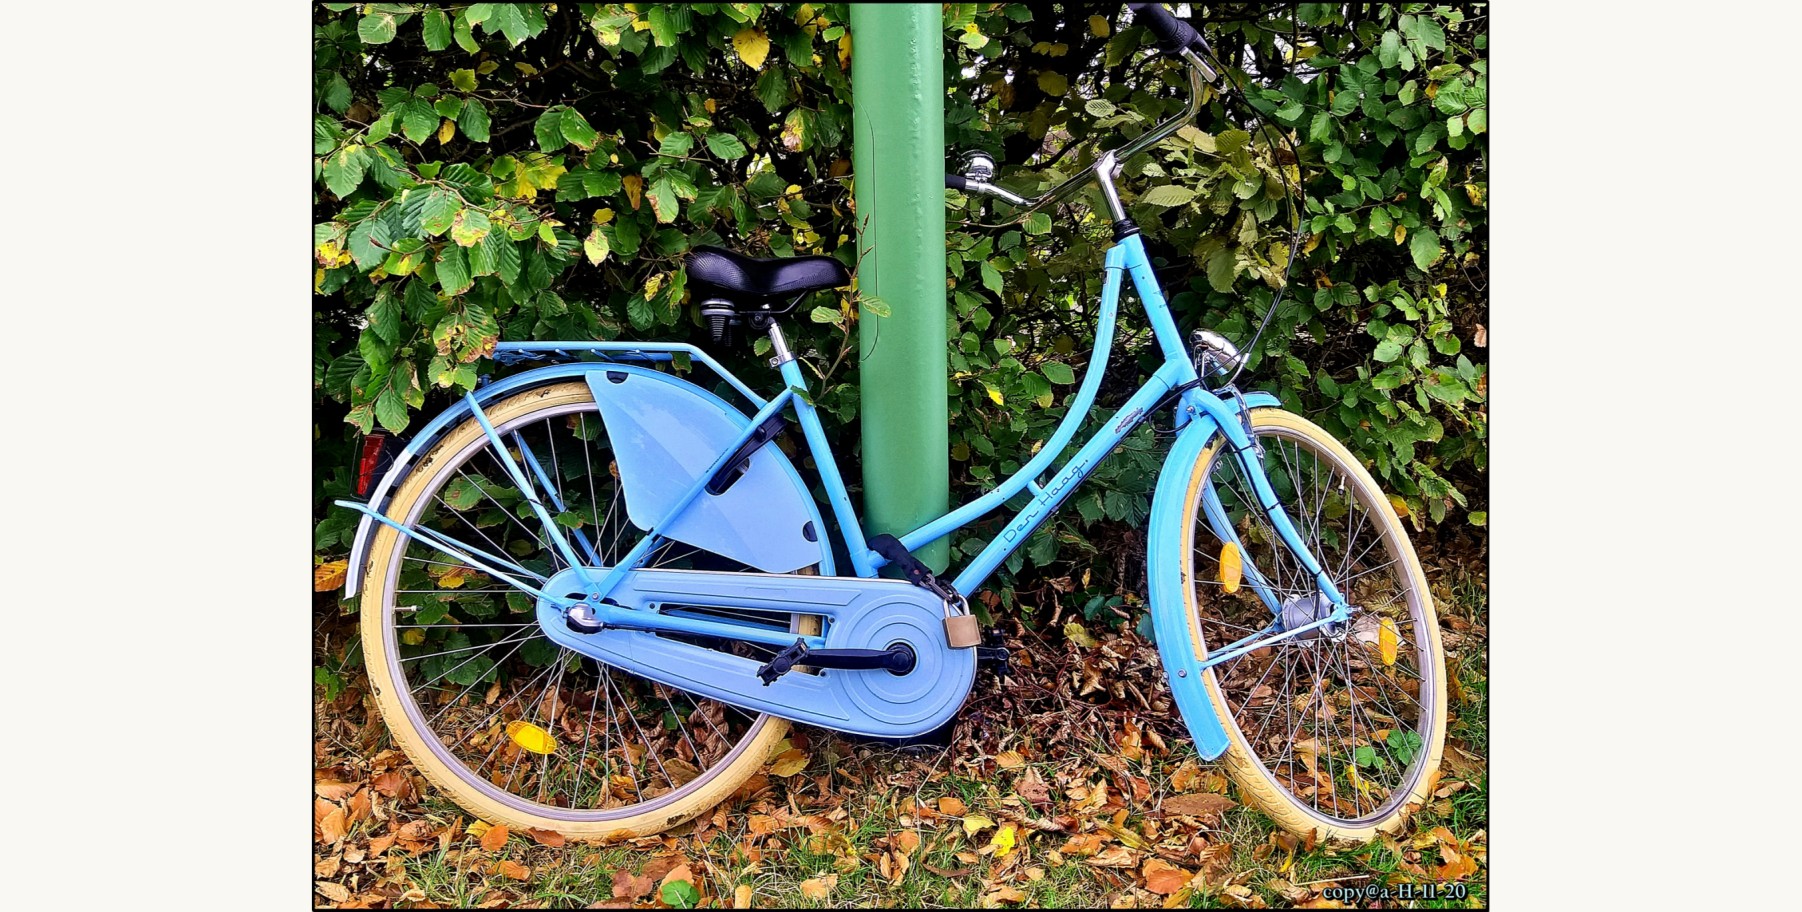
{"x":1341,"y":720}
{"x":527,"y":723}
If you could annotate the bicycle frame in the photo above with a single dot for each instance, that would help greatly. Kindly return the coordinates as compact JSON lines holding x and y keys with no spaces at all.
{"x":1127,"y":258}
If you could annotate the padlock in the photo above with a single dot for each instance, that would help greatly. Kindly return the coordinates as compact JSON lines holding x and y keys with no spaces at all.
{"x":962,"y":631}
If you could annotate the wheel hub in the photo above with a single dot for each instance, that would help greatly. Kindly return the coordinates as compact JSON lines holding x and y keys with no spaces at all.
{"x":1302,"y":610}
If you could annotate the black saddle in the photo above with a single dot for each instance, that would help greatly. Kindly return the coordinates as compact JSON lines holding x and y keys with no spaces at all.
{"x":770,"y":286}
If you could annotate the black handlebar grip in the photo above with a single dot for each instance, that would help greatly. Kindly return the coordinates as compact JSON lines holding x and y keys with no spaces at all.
{"x":1173,"y":34}
{"x":955,"y":182}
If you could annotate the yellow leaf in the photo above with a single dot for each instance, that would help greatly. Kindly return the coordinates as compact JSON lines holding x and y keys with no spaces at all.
{"x":603,"y":216}
{"x":330,"y":575}
{"x":1053,"y":83}
{"x":1232,"y":567}
{"x":976,"y":823}
{"x":446,"y":131}
{"x":634,"y":189}
{"x":994,"y":394}
{"x":525,"y":68}
{"x":789,"y":763}
{"x":651,"y":285}
{"x":752,"y":47}
{"x":1400,"y":505}
{"x":1010,"y":760}
{"x":452,"y":580}
{"x":741,"y":897}
{"x":1401,"y":233}
{"x":1074,"y":633}
{"x":413,"y":637}
{"x":1098,"y":25}
{"x":844,"y":49}
{"x":1003,"y":841}
{"x":1387,"y":641}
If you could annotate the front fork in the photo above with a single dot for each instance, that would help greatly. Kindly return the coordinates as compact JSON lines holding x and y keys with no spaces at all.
{"x":1235,"y":428}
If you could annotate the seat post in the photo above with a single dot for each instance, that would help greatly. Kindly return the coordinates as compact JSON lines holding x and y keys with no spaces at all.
{"x":780,"y":344}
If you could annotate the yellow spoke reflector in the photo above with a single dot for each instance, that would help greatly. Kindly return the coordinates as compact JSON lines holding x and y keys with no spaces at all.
{"x":1231,"y":567}
{"x":1387,"y":640}
{"x":531,"y":737}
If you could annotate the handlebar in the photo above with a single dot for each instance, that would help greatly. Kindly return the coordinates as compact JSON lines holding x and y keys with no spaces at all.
{"x":1176,"y":38}
{"x":1174,"y":35}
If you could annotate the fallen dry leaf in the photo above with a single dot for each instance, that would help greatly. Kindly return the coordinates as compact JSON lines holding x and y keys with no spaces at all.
{"x":1164,"y":878}
{"x":513,"y":870}
{"x":335,"y":892}
{"x":1003,"y":895}
{"x":741,"y":897}
{"x":627,"y":885}
{"x":952,"y":806}
{"x":789,"y":762}
{"x":332,"y":827}
{"x":333,"y":790}
{"x":818,"y":888}
{"x":495,"y":838}
{"x":1009,"y":760}
{"x":1202,"y":806}
{"x":976,"y":823}
{"x":550,"y":838}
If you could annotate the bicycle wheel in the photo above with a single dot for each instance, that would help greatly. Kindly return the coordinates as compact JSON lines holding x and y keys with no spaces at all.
{"x":1337,"y":730}
{"x":514,"y":728}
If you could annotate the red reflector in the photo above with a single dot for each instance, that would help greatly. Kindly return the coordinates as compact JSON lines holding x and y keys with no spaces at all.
{"x":369,"y":462}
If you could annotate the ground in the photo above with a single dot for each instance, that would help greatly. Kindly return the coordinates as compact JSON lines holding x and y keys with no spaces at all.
{"x":1070,"y":785}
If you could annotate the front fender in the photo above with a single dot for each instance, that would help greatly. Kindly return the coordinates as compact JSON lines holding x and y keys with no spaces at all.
{"x":777,"y":482}
{"x":1173,"y":619}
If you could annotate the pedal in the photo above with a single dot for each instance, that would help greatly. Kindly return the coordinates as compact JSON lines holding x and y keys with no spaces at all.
{"x":782,"y":663}
{"x":993,"y":654}
{"x":897,"y":659}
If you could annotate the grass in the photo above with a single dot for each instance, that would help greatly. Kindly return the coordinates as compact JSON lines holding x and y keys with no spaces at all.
{"x":868,"y":792}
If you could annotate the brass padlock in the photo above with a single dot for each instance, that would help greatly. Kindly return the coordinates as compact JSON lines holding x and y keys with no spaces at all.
{"x":962,"y":631}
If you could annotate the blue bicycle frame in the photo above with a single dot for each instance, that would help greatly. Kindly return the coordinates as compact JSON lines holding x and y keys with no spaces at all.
{"x":862,"y":609}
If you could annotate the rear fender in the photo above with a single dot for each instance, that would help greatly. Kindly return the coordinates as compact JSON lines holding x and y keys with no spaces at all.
{"x":777,"y":478}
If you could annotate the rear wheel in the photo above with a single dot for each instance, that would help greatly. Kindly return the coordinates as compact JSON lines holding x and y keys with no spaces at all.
{"x":1339,"y":730}
{"x":511,"y":726}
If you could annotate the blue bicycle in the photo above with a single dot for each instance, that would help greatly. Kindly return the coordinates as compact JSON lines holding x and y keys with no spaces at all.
{"x":594,"y":595}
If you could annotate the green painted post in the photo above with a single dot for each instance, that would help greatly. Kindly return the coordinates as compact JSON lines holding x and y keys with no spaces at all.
{"x":898,"y":161}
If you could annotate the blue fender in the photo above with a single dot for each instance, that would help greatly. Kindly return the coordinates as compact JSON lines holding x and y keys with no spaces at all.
{"x":1177,"y":626}
{"x":778,"y":489}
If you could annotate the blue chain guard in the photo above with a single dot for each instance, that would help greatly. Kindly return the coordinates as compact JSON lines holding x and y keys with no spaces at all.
{"x":856,"y":613}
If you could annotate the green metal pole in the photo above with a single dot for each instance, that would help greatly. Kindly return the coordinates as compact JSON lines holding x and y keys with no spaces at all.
{"x":898,"y":161}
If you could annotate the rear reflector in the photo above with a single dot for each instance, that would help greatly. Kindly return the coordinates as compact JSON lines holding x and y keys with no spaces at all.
{"x":369,"y":462}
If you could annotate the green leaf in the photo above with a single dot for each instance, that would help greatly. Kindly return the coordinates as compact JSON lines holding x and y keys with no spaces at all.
{"x":577,"y":130}
{"x":1058,"y":372}
{"x":337,"y":93}
{"x":438,"y":32}
{"x":344,"y":171}
{"x":676,"y":145}
{"x":463,"y":80}
{"x":474,"y":120}
{"x":368,"y":243}
{"x":991,"y":277}
{"x":826,"y":315}
{"x":1037,"y":223}
{"x":453,"y":270}
{"x":680,"y":894}
{"x":1423,"y":245}
{"x":376,"y":28}
{"x":438,"y":212}
{"x":1223,"y":266}
{"x":470,"y":226}
{"x":418,"y":119}
{"x":1168,"y":195}
{"x":549,"y":129}
{"x":726,"y":146}
{"x":663,"y":200}
{"x":391,"y":410}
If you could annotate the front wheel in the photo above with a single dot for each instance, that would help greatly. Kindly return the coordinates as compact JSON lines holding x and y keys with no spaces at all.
{"x":1337,"y":731}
